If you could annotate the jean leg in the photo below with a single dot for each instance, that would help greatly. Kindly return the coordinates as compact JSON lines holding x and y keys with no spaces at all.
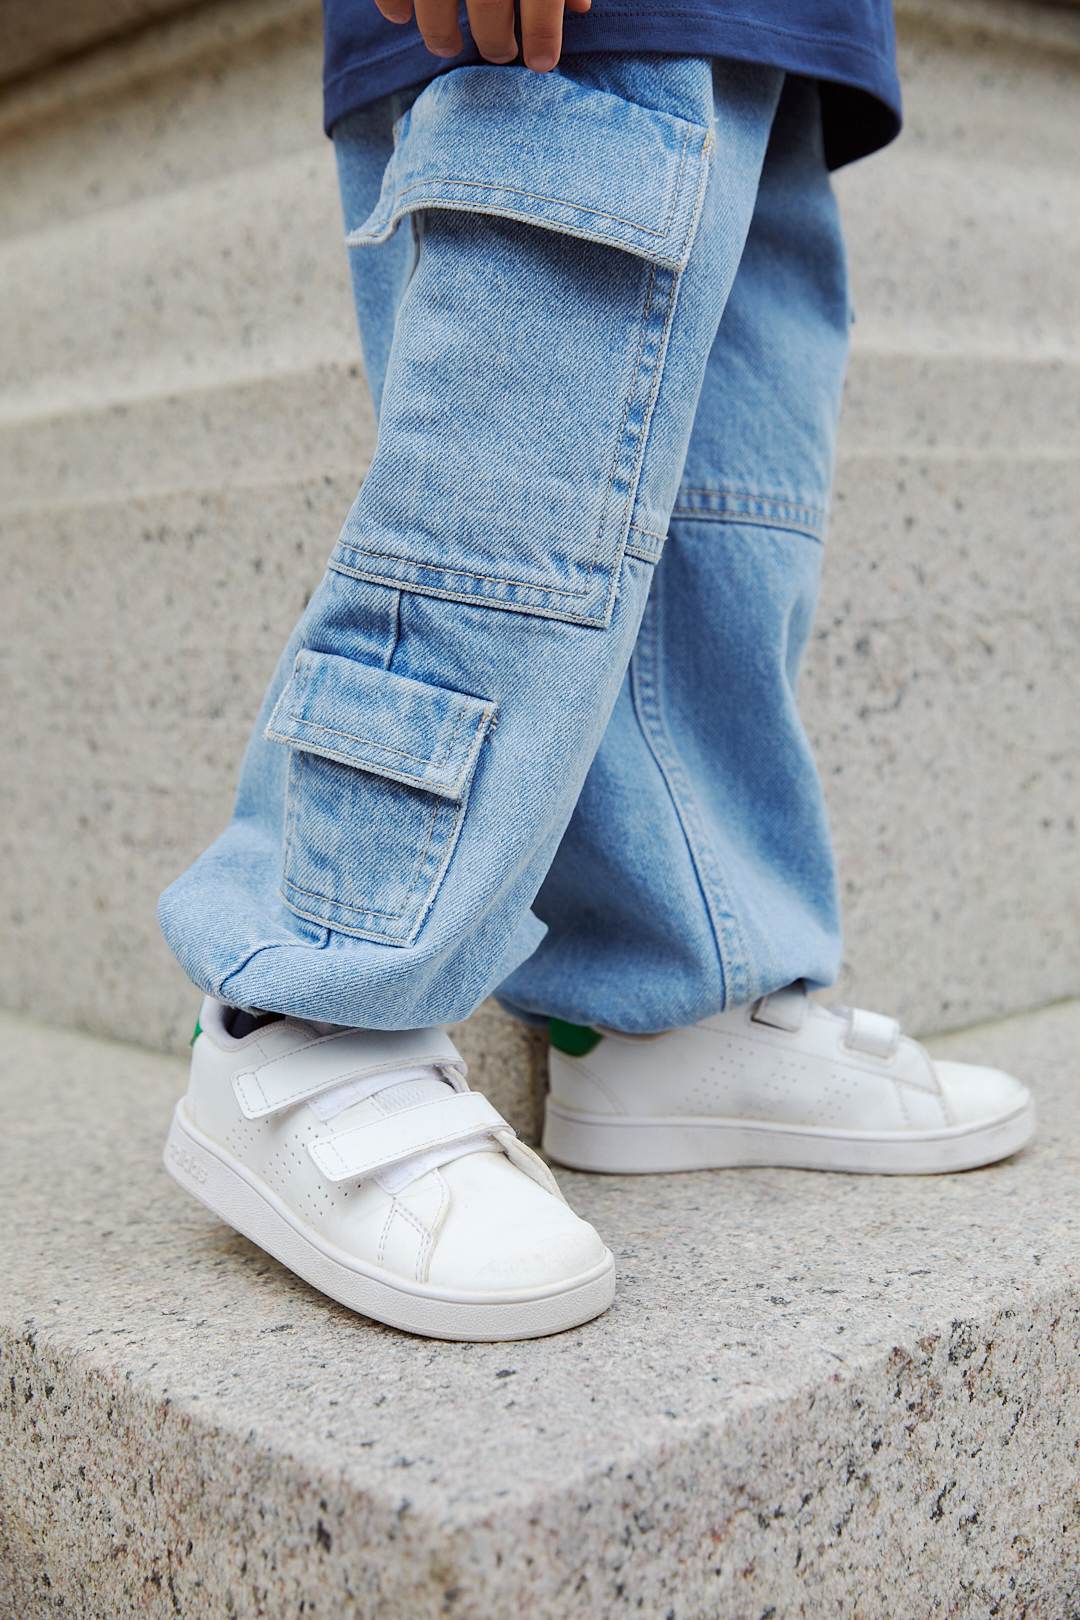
{"x":430,"y":725}
{"x":697,"y":871}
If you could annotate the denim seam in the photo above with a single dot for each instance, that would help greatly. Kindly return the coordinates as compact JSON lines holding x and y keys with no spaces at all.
{"x":496,"y":184}
{"x":620,"y":448}
{"x":374,"y":911}
{"x":468,"y":598}
{"x":466,"y":573}
{"x":271,"y":945}
{"x":773,"y":497}
{"x":449,"y":842}
{"x":655,"y":376}
{"x":437,"y":759}
{"x":623,"y":442}
{"x":642,"y":386}
{"x":382,"y":937}
{"x":727,"y":934}
{"x":642,"y":554}
{"x":728,"y":504}
{"x":656,"y":332}
{"x":744,"y":520}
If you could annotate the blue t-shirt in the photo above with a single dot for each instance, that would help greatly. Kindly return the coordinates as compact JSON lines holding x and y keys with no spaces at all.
{"x":847,"y":45}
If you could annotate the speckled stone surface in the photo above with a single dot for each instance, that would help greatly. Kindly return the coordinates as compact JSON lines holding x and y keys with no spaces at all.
{"x":34,"y":36}
{"x":183,"y":423}
{"x":815,"y":1395}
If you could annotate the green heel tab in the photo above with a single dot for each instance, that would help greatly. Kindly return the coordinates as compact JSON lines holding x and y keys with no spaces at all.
{"x":573,"y":1039}
{"x":196,"y":1032}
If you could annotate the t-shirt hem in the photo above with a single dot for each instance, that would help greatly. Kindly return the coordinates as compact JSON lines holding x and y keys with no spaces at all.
{"x":848,"y":64}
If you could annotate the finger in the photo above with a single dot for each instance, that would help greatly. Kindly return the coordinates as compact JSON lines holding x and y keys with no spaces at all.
{"x":541,"y":33}
{"x":395,"y":11}
{"x":438,"y":25}
{"x":492,"y":25}
{"x":580,"y":6}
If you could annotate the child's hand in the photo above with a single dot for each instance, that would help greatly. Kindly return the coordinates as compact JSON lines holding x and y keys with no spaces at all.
{"x":492,"y":25}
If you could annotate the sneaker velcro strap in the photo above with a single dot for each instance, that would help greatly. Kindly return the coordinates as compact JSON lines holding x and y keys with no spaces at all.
{"x":379,"y":1143}
{"x":872,"y":1033}
{"x":784,"y":1009}
{"x":286,"y":1078}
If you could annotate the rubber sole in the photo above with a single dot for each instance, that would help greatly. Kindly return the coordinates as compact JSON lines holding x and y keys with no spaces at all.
{"x":640,"y":1146}
{"x":206,"y":1171}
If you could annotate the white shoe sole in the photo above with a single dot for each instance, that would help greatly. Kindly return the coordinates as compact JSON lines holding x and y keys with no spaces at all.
{"x":207,"y":1171}
{"x":621,"y":1145}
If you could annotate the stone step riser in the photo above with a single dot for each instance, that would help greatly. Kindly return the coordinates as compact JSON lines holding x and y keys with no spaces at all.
{"x":815,"y":1394}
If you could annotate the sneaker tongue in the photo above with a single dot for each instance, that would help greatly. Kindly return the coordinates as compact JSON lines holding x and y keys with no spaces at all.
{"x":403,"y":1088}
{"x":413,"y":1086}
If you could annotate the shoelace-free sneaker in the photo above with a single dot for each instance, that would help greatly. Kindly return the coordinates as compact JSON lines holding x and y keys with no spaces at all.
{"x":363,"y":1162}
{"x":781,"y":1082}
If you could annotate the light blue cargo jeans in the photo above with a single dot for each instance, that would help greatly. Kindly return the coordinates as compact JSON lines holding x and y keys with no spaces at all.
{"x":536,"y":732}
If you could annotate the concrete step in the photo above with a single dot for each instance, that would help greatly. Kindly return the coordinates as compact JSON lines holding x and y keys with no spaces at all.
{"x":815,"y":1395}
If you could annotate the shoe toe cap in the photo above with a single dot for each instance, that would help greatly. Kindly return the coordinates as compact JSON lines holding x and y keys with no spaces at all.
{"x":504,"y":1232}
{"x":976,"y":1095}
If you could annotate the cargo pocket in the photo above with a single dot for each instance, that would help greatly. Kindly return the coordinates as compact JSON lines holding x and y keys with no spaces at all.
{"x":378,"y":782}
{"x":528,"y":347}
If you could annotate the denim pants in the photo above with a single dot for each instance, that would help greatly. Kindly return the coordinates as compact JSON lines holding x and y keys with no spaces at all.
{"x":536,"y":732}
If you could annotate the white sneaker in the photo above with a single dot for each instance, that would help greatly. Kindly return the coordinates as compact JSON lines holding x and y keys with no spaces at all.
{"x":782,"y":1082}
{"x":362,"y":1161}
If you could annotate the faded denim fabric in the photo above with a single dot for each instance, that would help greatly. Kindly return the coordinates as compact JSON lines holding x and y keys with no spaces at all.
{"x":510,"y":746}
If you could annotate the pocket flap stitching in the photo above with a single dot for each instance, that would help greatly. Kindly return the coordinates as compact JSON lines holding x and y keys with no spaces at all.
{"x":358,"y":714}
{"x":552,"y":152}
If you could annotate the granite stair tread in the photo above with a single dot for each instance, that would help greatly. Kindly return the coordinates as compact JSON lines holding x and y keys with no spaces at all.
{"x":813,"y":1393}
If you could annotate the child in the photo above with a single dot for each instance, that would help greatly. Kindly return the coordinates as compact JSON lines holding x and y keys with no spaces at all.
{"x":511,"y":748}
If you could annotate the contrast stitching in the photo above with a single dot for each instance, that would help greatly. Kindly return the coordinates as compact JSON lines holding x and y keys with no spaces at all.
{"x":542,"y":590}
{"x":767,"y":508}
{"x":748,"y":520}
{"x":466,"y":573}
{"x":618,"y":451}
{"x":654,"y":389}
{"x":369,"y":742}
{"x":338,"y":758}
{"x":731,"y":949}
{"x":752,"y":495}
{"x":372,"y":911}
{"x":508,"y":604}
{"x":497,"y":184}
{"x":631,"y":393}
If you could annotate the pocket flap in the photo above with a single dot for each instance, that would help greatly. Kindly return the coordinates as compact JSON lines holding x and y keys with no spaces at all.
{"x":545,"y":149}
{"x":360,"y":715}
